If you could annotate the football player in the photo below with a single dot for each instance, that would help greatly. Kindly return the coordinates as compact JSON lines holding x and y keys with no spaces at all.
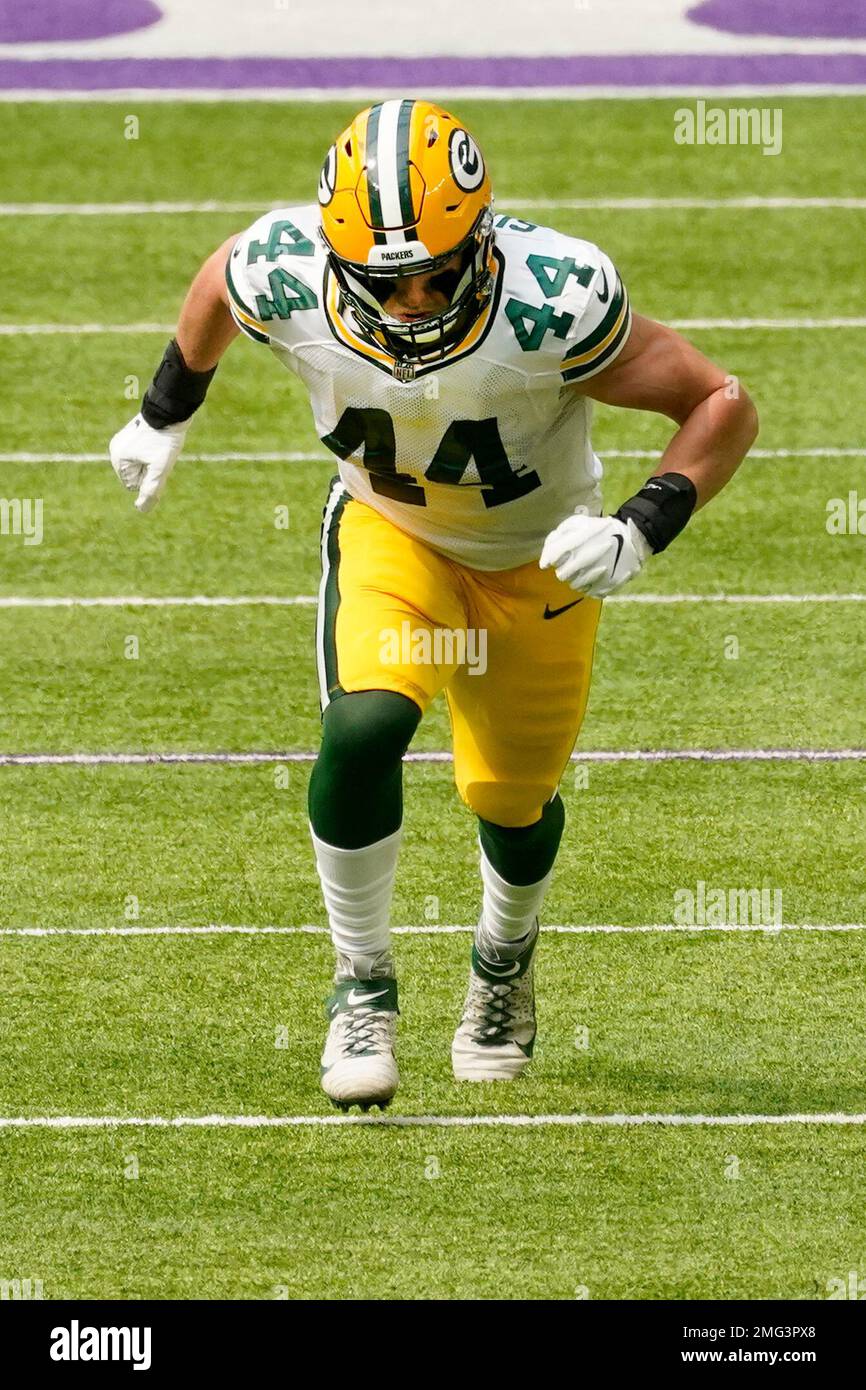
{"x":451,"y":357}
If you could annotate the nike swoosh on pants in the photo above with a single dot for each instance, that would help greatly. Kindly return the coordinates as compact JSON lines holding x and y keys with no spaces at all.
{"x":555,"y":612}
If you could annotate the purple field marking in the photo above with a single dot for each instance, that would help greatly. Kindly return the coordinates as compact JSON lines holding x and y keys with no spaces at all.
{"x":417,"y":74}
{"x":45,"y":21}
{"x":801,"y":19}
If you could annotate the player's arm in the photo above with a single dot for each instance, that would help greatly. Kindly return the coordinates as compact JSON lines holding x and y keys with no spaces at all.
{"x":657,"y":370}
{"x":144,"y":452}
{"x":205,"y":327}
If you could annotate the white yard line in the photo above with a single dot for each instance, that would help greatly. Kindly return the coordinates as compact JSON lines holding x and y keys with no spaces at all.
{"x":735,"y":324}
{"x":302,"y":456}
{"x":169,"y":601}
{"x":309,"y":600}
{"x":284,"y":456}
{"x":66,"y":1122}
{"x":288,"y":95}
{"x":782,"y":323}
{"x":158,"y":207}
{"x":736,"y":598}
{"x":215,"y":205}
{"x":661,"y":755}
{"x":738,"y":204}
{"x":432,"y":929}
{"x":78,"y":329}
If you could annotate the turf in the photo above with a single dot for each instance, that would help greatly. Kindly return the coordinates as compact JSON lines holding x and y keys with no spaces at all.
{"x":242,"y":679}
{"x":753,"y":1023}
{"x":636,"y":1215}
{"x":230,"y":844}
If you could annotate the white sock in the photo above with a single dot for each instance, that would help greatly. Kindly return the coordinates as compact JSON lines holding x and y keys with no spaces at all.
{"x":357,"y":885}
{"x":508,"y":913}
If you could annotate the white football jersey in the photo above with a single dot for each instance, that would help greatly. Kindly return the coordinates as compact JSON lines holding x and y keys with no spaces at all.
{"x":479,"y":456}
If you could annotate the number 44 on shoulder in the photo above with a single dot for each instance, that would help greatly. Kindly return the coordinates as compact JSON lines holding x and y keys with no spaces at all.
{"x":530,"y":321}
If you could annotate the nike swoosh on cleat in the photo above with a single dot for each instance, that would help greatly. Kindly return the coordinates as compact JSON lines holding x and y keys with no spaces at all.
{"x":499,"y":968}
{"x":618,"y":540}
{"x":606,"y":296}
{"x":353,"y":997}
{"x":555,"y":612}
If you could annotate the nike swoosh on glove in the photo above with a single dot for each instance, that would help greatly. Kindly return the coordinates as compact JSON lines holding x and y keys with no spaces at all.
{"x":143,"y":457}
{"x":596,"y":554}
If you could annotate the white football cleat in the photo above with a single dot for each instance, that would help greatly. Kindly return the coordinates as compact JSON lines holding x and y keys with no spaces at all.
{"x":358,"y":1063}
{"x":496,"y":1035}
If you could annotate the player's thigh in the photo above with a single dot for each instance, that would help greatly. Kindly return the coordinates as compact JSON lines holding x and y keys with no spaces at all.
{"x":383,"y":596}
{"x":515,"y":723}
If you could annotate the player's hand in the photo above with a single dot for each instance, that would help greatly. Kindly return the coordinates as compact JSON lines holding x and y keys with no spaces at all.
{"x":596,"y":554}
{"x":143,"y":457}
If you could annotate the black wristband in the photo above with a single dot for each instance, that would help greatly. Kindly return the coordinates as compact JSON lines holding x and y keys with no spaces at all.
{"x":175,"y":392}
{"x":661,"y":509}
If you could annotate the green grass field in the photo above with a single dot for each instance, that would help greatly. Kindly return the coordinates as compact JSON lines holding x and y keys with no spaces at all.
{"x":705,"y":1023}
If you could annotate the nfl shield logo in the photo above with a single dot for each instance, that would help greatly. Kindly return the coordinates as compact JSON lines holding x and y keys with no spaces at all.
{"x":404,"y":371}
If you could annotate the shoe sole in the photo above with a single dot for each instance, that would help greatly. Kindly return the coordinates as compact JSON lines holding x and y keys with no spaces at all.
{"x":346,"y":1089}
{"x":364,"y":1105}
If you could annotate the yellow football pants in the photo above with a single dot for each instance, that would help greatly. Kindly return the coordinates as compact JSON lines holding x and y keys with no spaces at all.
{"x":512,"y":649}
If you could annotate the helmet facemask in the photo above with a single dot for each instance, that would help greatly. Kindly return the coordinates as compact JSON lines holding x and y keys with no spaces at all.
{"x":467,"y":287}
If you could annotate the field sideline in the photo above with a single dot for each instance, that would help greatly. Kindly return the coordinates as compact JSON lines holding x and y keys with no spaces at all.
{"x":692,"y":1126}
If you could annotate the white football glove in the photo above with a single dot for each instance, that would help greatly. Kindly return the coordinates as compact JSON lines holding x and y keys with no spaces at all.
{"x":595,"y":553}
{"x":143,"y":457}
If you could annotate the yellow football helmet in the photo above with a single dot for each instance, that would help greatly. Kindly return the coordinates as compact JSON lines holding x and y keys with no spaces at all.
{"x":402,"y":191}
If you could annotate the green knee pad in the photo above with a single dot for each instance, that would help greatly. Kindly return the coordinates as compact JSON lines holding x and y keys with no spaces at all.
{"x":524,"y":854}
{"x":356,"y":787}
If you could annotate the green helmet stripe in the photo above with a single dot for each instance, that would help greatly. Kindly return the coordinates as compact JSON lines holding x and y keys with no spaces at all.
{"x":404,"y":123}
{"x":372,"y":160}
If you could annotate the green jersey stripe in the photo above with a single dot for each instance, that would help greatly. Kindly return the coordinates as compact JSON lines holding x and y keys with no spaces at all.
{"x":236,"y":302}
{"x":598,"y":335}
{"x":250,"y":332}
{"x":331,"y":596}
{"x":602,"y":358}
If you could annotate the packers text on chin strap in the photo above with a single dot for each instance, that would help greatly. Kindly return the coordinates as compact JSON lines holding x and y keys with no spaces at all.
{"x":175,"y":392}
{"x":661,"y":509}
